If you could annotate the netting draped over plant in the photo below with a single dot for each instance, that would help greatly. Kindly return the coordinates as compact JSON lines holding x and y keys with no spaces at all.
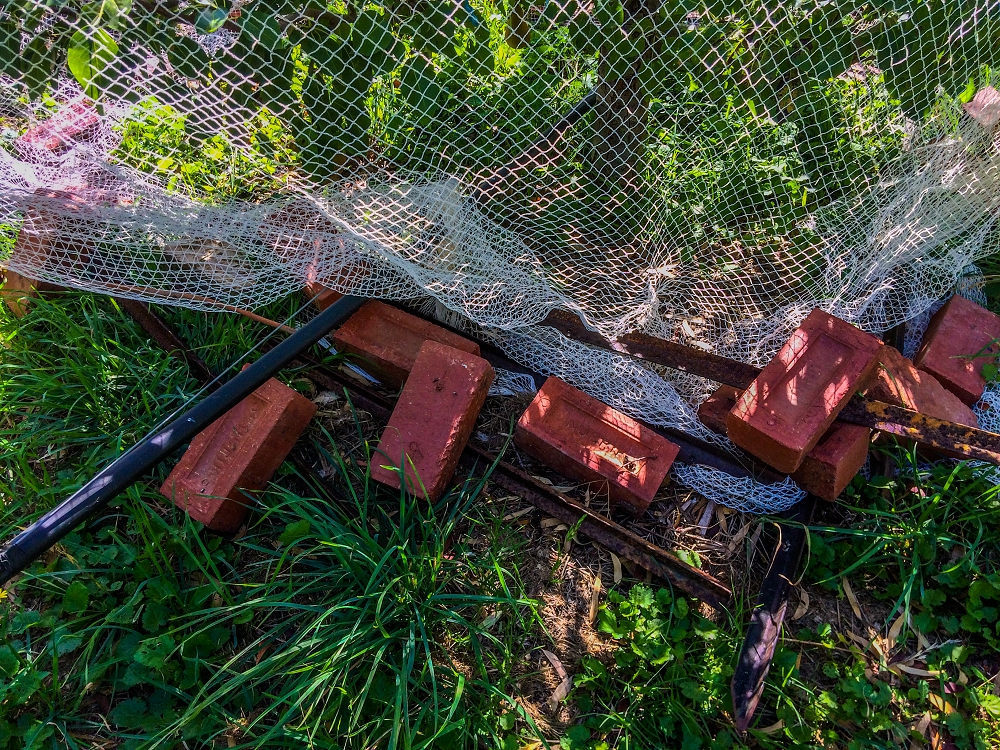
{"x":705,"y":171}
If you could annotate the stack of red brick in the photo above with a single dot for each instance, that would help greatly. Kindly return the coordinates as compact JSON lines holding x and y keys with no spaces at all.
{"x":787,"y":417}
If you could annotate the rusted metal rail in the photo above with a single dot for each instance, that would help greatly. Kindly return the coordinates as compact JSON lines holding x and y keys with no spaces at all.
{"x":769,"y":612}
{"x":948,"y":437}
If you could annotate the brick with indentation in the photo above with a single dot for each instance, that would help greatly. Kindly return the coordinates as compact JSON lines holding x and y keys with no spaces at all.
{"x":433,"y":419}
{"x":902,"y":384}
{"x":387,"y":340}
{"x":796,"y":397}
{"x":584,"y":439}
{"x":829,"y":467}
{"x":236,"y":454}
{"x":957,"y":332}
{"x":57,"y":134}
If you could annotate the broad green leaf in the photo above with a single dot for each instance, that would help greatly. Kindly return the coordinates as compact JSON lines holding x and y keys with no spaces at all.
{"x":294,"y":531}
{"x":129,"y":713}
{"x":76,"y":597}
{"x":153,"y":652}
{"x":88,"y":55}
{"x":187,"y":57}
{"x":108,"y":14}
{"x":210,"y":20}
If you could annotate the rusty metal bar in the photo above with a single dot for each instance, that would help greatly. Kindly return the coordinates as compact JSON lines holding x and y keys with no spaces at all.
{"x":659,"y":351}
{"x":958,"y":440}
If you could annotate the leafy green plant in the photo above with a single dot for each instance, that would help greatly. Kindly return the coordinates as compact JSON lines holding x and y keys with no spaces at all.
{"x":669,"y":679}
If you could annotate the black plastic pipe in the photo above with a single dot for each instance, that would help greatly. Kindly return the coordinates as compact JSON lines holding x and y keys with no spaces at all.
{"x":129,"y":468}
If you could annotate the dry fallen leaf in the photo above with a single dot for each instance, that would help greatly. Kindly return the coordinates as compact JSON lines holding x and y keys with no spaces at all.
{"x":849,"y":592}
{"x":549,"y":522}
{"x":518,"y":514}
{"x":595,"y":599}
{"x":752,"y":544}
{"x":863,"y":642}
{"x":565,"y":684}
{"x":616,"y":565}
{"x":738,"y":537}
{"x":918,"y":672}
{"x":559,"y":694}
{"x":556,"y":664}
{"x":720,"y":516}
{"x":543,"y":480}
{"x":706,"y":517}
{"x":921,"y":726}
{"x":800,"y":611}
{"x":940,"y":703}
{"x":775,"y":727}
{"x":896,"y":629}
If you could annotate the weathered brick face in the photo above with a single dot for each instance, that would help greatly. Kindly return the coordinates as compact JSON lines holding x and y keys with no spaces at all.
{"x":902,"y":384}
{"x":587,"y":440}
{"x":433,"y":419}
{"x":957,"y":332}
{"x":796,"y":397}
{"x":386,"y":341}
{"x":829,"y":467}
{"x":238,"y":453}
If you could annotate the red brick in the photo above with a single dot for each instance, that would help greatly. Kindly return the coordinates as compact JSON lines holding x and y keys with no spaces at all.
{"x":319,"y":295}
{"x":714,"y":410}
{"x":796,"y":397}
{"x":834,"y":462}
{"x":985,"y":107}
{"x":57,"y":133}
{"x":902,"y":384}
{"x":387,"y":340}
{"x":959,"y":329}
{"x":584,"y":439}
{"x":238,"y":453}
{"x":433,"y":419}
{"x":827,"y":469}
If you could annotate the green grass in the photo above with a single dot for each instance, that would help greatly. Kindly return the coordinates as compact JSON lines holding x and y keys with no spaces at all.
{"x":335,"y":621}
{"x":351,"y":616}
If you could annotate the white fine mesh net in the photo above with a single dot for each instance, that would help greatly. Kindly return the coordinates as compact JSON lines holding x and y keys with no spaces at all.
{"x":704,"y":171}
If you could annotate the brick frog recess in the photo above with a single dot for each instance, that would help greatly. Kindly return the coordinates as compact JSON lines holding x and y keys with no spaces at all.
{"x":387,"y":340}
{"x":585,"y":439}
{"x":791,"y":404}
{"x":238,"y":453}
